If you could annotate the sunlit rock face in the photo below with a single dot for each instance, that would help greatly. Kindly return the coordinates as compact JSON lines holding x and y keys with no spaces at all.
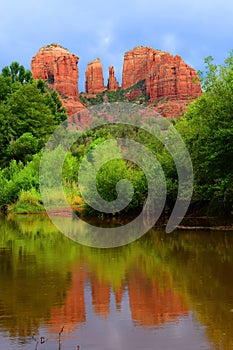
{"x":169,"y":82}
{"x":58,"y":67}
{"x":94,"y":77}
{"x":113,"y":84}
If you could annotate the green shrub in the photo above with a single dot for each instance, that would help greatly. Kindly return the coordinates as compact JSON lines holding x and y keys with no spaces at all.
{"x":28,"y":202}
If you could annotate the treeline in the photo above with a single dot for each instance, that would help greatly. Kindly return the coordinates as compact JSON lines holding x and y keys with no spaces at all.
{"x":207,"y":129}
{"x":30,"y":112}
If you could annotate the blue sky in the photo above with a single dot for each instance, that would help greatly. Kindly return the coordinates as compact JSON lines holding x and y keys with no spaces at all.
{"x":193,"y":29}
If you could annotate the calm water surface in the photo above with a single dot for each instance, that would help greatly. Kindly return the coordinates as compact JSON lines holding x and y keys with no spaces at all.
{"x":165,"y":292}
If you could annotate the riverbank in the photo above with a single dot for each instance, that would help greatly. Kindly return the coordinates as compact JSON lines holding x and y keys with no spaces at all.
{"x":212,"y":223}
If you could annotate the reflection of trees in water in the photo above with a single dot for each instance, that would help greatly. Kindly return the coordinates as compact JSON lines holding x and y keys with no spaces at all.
{"x":30,"y":277}
{"x":43,"y":276}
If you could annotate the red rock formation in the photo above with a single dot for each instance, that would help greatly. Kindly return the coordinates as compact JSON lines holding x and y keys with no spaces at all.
{"x":168,"y":82}
{"x":170,"y":77}
{"x":135,"y":66}
{"x":113,"y":84}
{"x":170,"y":108}
{"x":94,"y":77}
{"x":72,"y":105}
{"x":166,"y":77}
{"x":58,"y":67}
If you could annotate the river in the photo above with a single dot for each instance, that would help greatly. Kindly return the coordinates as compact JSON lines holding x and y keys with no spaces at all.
{"x":163,"y":291}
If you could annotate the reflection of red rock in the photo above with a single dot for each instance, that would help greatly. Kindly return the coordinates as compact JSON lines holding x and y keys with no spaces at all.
{"x":94,"y":77}
{"x":151,"y":306}
{"x":73,"y":310}
{"x":100,"y":297}
{"x":58,"y":67}
{"x":118,"y":297}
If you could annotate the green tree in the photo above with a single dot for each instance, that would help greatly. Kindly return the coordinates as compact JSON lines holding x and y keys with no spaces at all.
{"x":17,"y":72}
{"x":207,"y":128}
{"x":24,"y":147}
{"x":26,"y":106}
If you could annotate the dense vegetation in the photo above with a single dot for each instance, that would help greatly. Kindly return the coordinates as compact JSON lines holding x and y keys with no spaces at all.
{"x":29,"y":112}
{"x":207,"y":129}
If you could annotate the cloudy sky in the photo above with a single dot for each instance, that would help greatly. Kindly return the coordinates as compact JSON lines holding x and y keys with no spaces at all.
{"x":193,"y":29}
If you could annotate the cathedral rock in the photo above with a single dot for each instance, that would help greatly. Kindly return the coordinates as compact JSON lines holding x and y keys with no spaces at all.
{"x":58,"y":67}
{"x":150,"y":77}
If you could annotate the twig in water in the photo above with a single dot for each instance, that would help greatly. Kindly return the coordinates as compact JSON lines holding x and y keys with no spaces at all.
{"x":59,"y":338}
{"x":62,"y":329}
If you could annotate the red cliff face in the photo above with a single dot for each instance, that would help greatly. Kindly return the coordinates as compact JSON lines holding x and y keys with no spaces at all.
{"x":135,"y":66}
{"x":171,"y":77}
{"x":94,"y":77}
{"x":113,"y":84}
{"x":167,"y":79}
{"x":58,"y":67}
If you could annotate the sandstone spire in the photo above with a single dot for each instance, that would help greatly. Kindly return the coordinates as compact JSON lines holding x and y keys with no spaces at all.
{"x":113,"y":84}
{"x":94,"y":77}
